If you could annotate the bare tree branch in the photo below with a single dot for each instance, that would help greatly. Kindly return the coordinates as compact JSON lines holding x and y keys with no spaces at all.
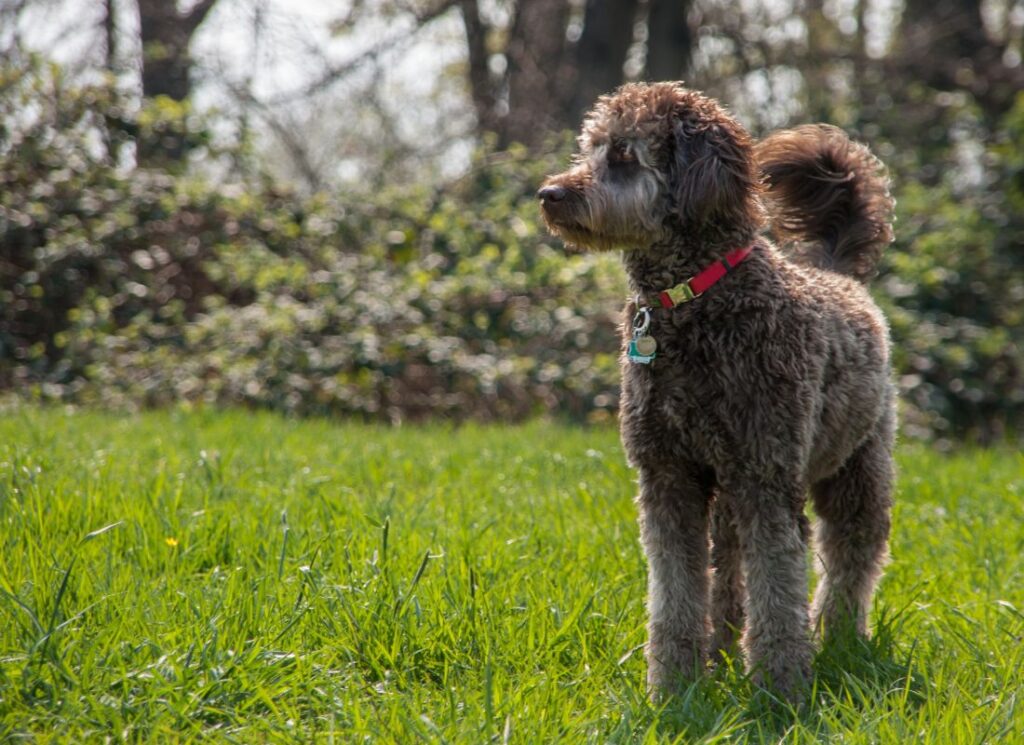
{"x":197,"y":15}
{"x":109,"y":35}
{"x":9,"y":14}
{"x":333,"y":73}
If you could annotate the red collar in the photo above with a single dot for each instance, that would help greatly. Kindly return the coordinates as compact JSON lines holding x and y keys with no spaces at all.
{"x":697,"y":285}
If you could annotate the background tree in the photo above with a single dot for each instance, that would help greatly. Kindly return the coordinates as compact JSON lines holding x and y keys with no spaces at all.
{"x":166,"y":33}
{"x":540,"y":67}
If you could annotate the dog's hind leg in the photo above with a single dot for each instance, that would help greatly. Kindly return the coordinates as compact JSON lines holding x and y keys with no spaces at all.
{"x":673,"y":505}
{"x":851,"y":536}
{"x":726,"y":580}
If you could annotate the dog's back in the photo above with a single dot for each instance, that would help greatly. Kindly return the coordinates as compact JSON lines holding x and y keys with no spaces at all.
{"x":828,"y":199}
{"x":829,"y":208}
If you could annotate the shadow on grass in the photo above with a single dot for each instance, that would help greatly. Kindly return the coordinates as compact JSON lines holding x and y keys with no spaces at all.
{"x":852,"y":675}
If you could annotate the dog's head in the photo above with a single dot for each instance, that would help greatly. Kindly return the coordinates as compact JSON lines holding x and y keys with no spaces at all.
{"x":653,"y":159}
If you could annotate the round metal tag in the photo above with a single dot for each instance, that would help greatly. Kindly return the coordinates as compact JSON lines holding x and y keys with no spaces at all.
{"x":646,"y":345}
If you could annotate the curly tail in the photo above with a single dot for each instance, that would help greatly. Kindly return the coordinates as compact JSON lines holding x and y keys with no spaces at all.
{"x":828,"y":198}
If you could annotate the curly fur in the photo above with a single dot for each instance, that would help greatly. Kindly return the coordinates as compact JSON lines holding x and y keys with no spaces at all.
{"x":773,"y":385}
{"x":829,"y":198}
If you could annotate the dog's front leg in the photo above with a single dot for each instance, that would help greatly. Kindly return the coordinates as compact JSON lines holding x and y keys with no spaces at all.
{"x":673,"y":505}
{"x":776,"y":640}
{"x":727,"y":591}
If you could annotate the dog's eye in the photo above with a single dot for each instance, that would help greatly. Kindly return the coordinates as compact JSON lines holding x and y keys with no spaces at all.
{"x":620,"y":154}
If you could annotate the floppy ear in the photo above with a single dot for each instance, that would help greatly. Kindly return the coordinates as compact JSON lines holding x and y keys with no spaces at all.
{"x":713,"y":173}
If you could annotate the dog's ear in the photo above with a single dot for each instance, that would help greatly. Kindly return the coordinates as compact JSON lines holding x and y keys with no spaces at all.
{"x":713,"y":173}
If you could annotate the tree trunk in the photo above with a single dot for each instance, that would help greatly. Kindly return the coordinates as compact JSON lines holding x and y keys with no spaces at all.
{"x":537,"y":72}
{"x":601,"y":52}
{"x":481,"y":86}
{"x":166,"y":70}
{"x":551,"y":82}
{"x":669,"y":39}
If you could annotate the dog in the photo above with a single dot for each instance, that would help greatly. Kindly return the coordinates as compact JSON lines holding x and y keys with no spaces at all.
{"x":755,"y":371}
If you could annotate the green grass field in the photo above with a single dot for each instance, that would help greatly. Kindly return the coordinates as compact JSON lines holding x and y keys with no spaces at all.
{"x":250,"y":578}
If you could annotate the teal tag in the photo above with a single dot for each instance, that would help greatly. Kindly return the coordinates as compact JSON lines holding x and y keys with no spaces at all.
{"x":642,"y":347}
{"x":638,"y":358}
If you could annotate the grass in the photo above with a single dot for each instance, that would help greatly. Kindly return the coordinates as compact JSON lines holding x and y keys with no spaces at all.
{"x":249,"y":578}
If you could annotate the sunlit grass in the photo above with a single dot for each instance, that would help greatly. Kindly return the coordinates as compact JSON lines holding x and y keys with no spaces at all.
{"x":249,"y":578}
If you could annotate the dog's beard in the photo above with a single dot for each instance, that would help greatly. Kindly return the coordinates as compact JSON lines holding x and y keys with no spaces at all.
{"x":621,"y":217}
{"x":579,"y":238}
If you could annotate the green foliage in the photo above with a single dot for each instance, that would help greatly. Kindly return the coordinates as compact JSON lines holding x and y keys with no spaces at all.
{"x":246,"y":577}
{"x":137,"y":288}
{"x":953,"y":286}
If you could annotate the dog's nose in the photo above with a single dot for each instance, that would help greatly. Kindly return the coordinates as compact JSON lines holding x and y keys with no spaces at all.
{"x":551,"y":194}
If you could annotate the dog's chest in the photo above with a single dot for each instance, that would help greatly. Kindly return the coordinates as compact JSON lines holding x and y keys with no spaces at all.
{"x":673,"y":390}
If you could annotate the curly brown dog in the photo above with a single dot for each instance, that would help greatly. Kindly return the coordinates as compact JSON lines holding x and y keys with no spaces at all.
{"x":750,"y":377}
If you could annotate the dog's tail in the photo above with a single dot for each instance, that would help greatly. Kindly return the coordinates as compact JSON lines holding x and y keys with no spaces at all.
{"x":828,"y":198}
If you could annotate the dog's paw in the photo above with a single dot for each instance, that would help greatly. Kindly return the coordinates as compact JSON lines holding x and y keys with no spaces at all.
{"x":672,"y":667}
{"x":784,"y":668}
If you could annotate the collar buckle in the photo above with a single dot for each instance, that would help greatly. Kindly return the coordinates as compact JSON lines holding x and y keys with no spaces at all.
{"x":681,"y":293}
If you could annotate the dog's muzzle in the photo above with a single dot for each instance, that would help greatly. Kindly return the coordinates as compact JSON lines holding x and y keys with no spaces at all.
{"x":551,"y":194}
{"x":559,"y":204}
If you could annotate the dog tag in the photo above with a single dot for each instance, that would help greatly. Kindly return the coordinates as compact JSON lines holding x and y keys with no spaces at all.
{"x":642,"y":347}
{"x":635,"y":357}
{"x":646,"y":345}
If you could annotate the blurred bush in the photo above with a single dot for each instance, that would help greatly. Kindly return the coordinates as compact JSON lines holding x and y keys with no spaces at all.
{"x":953,"y":283}
{"x":135,"y":288}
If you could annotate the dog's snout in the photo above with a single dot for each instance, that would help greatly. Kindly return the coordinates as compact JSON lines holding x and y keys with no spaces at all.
{"x":551,"y":193}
